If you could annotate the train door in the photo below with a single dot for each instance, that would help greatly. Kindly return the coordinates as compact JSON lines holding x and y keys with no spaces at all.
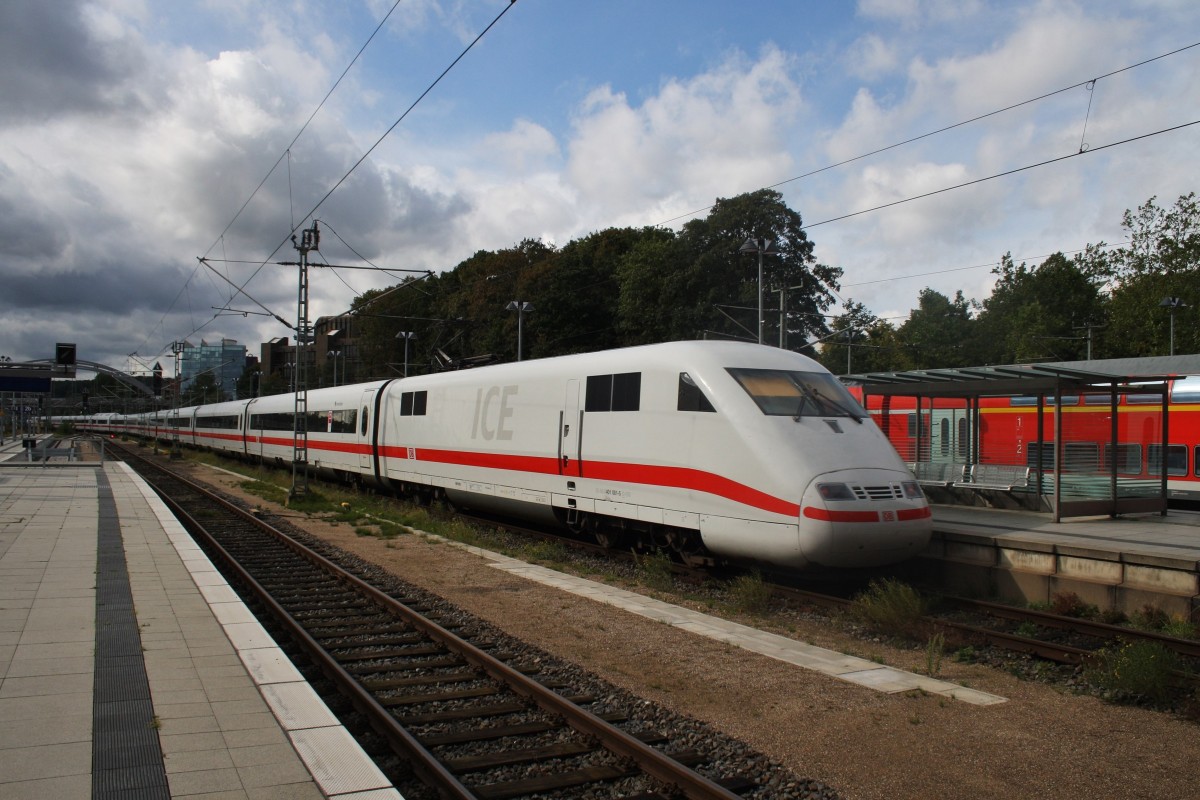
{"x":949,"y":433}
{"x":366,"y":455}
{"x":570,"y":422}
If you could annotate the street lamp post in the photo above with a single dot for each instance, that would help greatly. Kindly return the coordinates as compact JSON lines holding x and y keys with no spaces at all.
{"x":406,"y":336}
{"x":334,"y":355}
{"x":1170,"y":304}
{"x":764,"y":247}
{"x":521,"y":307}
{"x":783,"y":313}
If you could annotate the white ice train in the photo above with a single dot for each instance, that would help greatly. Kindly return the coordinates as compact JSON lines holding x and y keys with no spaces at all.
{"x":719,"y":450}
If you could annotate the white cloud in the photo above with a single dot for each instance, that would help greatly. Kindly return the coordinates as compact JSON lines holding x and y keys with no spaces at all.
{"x":717,"y":134}
{"x":870,"y":57}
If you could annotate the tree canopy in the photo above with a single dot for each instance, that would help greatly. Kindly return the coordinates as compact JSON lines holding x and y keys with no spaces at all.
{"x":627,"y":286}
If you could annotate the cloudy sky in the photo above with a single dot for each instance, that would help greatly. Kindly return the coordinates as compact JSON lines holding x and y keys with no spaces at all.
{"x":133,"y":131}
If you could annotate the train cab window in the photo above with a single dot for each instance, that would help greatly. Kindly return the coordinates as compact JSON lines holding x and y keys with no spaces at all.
{"x":363,"y":432}
{"x":413,"y":404}
{"x":790,"y":393}
{"x":620,"y":392}
{"x":691,"y":397}
{"x":1176,"y":459}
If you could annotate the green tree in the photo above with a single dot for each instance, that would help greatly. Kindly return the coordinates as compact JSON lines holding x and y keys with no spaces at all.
{"x":578,"y":294}
{"x":862,"y":342}
{"x":938,"y":332}
{"x":720,"y":277}
{"x":1039,"y":313}
{"x":1162,"y":261}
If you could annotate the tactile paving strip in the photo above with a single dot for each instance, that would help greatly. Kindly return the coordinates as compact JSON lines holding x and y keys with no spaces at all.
{"x":127,"y":761}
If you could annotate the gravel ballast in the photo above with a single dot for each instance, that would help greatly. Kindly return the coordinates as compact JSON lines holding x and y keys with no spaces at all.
{"x":1043,"y":742}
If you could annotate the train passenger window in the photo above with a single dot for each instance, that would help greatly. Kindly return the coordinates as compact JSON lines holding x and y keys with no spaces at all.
{"x":272,"y":422}
{"x":599,"y":393}
{"x":691,"y":397}
{"x":791,"y":393}
{"x":945,"y":432}
{"x":1196,"y":461}
{"x":963,"y":438}
{"x":620,"y":392}
{"x":413,"y":404}
{"x":341,"y":421}
{"x":363,"y":432}
{"x":1176,"y":459}
{"x":226,"y":422}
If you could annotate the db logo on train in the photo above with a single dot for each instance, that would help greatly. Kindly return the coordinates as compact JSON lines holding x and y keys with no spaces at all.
{"x":889,"y":516}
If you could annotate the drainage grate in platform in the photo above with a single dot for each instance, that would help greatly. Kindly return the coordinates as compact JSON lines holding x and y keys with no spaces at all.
{"x":127,"y":761}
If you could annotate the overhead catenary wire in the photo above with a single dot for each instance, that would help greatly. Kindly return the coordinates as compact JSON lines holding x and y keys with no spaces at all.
{"x":378,"y":141}
{"x":1090,"y":83}
{"x":1015,"y":170}
{"x":285,"y":154}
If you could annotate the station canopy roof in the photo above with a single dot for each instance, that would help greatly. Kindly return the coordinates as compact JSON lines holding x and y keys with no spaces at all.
{"x":1028,"y":379}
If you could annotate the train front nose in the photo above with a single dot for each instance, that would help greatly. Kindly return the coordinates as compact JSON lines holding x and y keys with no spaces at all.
{"x":863,"y":518}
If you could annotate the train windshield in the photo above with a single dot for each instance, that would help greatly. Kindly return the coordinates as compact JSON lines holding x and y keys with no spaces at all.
{"x":781,"y":392}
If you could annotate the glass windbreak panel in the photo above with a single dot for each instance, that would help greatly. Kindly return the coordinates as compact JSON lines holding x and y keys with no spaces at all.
{"x":1081,"y":456}
{"x":1048,"y":400}
{"x":1143,"y":399}
{"x":1176,"y":459}
{"x":780,"y":392}
{"x":1031,"y":455}
{"x":1129,"y":458}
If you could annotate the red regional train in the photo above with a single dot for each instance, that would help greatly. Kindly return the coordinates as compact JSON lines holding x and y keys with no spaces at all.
{"x":1008,"y":433}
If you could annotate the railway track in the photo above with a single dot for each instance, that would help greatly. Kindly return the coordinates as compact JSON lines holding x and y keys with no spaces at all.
{"x":471,"y":720}
{"x":1053,"y":637}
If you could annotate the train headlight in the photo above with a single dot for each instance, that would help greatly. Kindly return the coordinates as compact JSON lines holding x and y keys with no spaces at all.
{"x":835,"y":491}
{"x":912,"y":490}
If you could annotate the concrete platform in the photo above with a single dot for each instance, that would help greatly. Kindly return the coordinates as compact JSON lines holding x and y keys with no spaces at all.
{"x":1124,"y":563}
{"x":128,"y":668}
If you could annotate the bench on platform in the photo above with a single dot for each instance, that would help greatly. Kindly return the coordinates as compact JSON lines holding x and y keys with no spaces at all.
{"x":938,"y":473}
{"x":998,"y":477}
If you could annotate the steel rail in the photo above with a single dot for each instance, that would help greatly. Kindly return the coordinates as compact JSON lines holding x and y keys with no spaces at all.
{"x":651,"y":761}
{"x":424,"y":763}
{"x":1104,"y":630}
